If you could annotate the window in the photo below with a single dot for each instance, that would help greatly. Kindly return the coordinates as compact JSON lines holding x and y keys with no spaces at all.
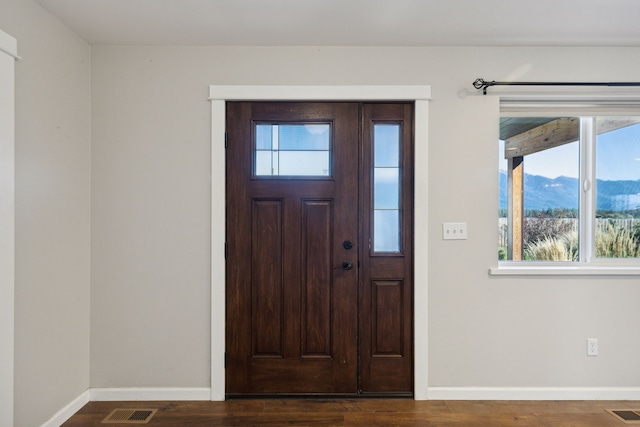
{"x":569,"y":187}
{"x":386,"y":188}
{"x":292,"y":149}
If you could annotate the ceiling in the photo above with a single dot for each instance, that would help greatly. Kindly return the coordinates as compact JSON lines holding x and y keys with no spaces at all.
{"x":352,"y":22}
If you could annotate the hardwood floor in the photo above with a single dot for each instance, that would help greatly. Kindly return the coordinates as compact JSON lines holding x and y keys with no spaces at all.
{"x":364,"y":412}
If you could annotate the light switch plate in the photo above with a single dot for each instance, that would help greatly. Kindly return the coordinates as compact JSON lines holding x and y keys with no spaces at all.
{"x":454,"y":231}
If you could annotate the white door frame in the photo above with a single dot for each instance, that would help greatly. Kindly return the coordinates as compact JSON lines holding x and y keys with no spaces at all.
{"x":218,"y":95}
{"x":8,"y":56}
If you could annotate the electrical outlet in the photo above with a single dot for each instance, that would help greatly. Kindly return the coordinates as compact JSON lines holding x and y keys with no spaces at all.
{"x":592,"y":347}
{"x":454,"y":231}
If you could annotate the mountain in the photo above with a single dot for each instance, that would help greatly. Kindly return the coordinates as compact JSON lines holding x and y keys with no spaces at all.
{"x":562,"y":192}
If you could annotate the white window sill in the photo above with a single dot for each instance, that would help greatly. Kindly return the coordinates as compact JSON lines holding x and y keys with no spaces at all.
{"x":527,"y":269}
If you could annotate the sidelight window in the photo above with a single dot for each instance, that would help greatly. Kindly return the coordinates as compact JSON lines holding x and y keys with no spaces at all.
{"x":386,"y":188}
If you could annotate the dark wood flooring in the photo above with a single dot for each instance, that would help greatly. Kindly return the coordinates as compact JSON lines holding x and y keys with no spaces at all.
{"x":364,"y":412}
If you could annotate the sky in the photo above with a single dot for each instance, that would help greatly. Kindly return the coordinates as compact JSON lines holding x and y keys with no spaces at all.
{"x":618,"y":154}
{"x":617,"y":157}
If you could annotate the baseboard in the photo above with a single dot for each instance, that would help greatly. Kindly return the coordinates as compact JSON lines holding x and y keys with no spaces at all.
{"x":533,"y":393}
{"x":433,"y":393}
{"x":149,"y":393}
{"x":65,"y":413}
{"x":115,"y":394}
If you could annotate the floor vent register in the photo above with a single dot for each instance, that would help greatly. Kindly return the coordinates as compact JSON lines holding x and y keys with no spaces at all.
{"x":130,"y":416}
{"x":627,"y":416}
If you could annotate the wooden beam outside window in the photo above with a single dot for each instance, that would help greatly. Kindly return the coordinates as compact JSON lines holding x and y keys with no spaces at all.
{"x":515,"y":221}
{"x":553,"y":134}
{"x":560,"y":131}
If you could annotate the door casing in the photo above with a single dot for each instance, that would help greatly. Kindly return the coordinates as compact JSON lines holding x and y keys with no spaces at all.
{"x":218,"y":95}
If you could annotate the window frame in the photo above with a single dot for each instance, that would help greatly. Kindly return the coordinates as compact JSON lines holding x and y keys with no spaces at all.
{"x":401,"y":183}
{"x":586,"y":110}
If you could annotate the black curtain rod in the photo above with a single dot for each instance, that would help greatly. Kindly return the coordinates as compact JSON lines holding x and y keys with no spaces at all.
{"x":482,"y":84}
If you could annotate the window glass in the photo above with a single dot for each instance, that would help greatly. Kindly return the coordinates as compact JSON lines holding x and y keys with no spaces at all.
{"x":387,"y":148}
{"x":551,"y":194}
{"x":542,"y":224}
{"x":617,"y":224}
{"x":386,"y":230}
{"x":386,"y":188}
{"x":292,"y":149}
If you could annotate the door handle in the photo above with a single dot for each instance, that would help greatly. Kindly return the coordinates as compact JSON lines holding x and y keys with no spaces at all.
{"x":347,"y":265}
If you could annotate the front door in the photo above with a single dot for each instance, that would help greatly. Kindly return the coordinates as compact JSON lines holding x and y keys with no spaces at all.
{"x":319,"y":287}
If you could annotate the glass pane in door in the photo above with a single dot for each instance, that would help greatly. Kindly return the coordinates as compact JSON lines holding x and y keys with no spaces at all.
{"x":292,"y":150}
{"x":386,"y":188}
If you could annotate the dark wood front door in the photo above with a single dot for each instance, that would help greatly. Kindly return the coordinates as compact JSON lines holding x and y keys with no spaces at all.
{"x":300,"y":317}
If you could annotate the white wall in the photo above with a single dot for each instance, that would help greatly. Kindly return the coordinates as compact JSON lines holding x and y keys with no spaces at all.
{"x":150,"y":217}
{"x":52,"y":241}
{"x":150,"y":244}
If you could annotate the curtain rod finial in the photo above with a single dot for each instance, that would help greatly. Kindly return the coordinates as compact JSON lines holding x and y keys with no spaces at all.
{"x":479,"y":83}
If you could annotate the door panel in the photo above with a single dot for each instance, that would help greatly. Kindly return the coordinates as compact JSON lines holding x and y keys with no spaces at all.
{"x":387,"y":321}
{"x":291,"y":307}
{"x":309,"y":308}
{"x":267,"y":311}
{"x":316,"y":272}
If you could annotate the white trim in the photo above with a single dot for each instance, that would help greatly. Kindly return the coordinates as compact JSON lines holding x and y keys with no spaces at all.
{"x":9,"y":45}
{"x":575,"y":270}
{"x":421,"y":272}
{"x":126,"y":394}
{"x":67,"y":412}
{"x":319,"y":93}
{"x":10,"y":53}
{"x":586,"y":97}
{"x":587,"y":198}
{"x":534,"y":393}
{"x":219,"y":95}
{"x":7,"y":230}
{"x":149,"y":393}
{"x":218,"y":238}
